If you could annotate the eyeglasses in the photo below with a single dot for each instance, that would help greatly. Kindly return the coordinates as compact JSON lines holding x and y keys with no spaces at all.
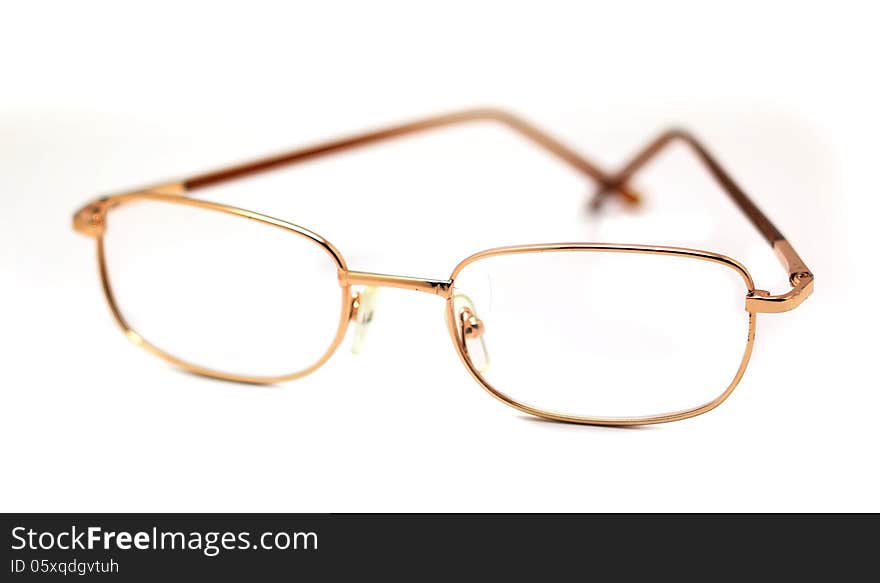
{"x":596,"y":333}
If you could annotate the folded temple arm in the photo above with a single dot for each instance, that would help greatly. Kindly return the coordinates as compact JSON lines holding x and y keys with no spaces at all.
{"x":85,"y":219}
{"x":800,"y":277}
{"x":524,"y":128}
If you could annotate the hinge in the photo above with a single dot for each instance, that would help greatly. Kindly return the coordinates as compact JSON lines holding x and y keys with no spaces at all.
{"x":761,"y":300}
{"x":89,"y":220}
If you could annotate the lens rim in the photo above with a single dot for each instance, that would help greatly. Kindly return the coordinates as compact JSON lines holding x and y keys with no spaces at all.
{"x":99,"y":209}
{"x":461,"y":348}
{"x":296,"y":230}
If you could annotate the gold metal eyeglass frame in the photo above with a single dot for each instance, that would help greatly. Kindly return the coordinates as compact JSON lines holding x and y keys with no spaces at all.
{"x":91,"y":220}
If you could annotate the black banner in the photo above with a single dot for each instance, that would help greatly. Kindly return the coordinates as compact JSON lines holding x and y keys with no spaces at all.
{"x":144,"y":547}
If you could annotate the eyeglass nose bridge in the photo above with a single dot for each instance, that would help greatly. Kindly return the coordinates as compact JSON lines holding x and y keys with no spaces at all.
{"x":439,"y":287}
{"x":363,"y":300}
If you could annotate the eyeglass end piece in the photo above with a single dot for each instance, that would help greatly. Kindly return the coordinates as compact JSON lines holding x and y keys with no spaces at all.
{"x":89,"y":220}
{"x":760,"y":301}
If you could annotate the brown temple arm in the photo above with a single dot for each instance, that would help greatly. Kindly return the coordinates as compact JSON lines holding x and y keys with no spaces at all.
{"x":524,"y":128}
{"x":800,"y":277}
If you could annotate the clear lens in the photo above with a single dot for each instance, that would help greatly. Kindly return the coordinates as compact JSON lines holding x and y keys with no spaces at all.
{"x":221,"y":291}
{"x":605,"y":334}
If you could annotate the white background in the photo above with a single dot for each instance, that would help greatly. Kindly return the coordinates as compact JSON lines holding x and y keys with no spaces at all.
{"x":99,"y":97}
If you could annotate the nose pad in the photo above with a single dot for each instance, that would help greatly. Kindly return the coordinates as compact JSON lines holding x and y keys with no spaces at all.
{"x":471,"y":332}
{"x":362,"y":308}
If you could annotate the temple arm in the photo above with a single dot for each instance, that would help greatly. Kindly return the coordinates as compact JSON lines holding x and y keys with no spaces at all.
{"x":84,"y":219}
{"x":524,"y":128}
{"x":800,"y":277}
